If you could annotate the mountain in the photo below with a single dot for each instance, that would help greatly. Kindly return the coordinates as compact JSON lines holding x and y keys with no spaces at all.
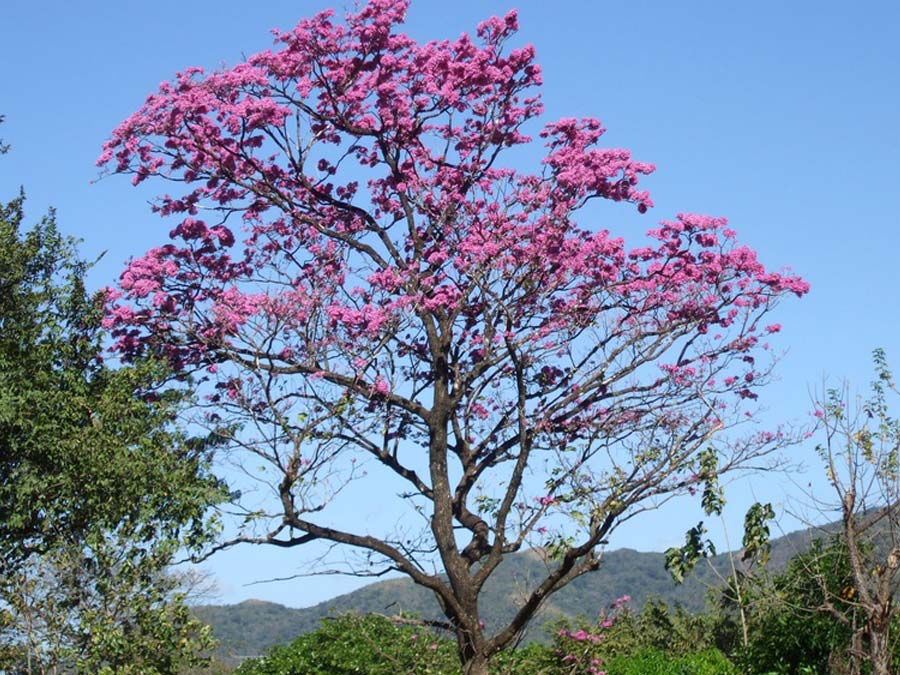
{"x":251,"y":627}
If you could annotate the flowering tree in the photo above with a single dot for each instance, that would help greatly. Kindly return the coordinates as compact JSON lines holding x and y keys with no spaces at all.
{"x":399,"y":295}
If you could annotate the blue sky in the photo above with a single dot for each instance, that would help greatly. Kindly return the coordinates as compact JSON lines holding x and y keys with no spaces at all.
{"x":782,"y":116}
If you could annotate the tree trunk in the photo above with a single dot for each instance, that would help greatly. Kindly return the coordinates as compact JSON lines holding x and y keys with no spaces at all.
{"x":880,"y":651}
{"x":476,"y":665}
{"x":470,"y":648}
{"x":856,"y":649}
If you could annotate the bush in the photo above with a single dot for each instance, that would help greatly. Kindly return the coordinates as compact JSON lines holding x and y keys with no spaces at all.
{"x":673,"y":631}
{"x":359,"y":645}
{"x":656,"y":662}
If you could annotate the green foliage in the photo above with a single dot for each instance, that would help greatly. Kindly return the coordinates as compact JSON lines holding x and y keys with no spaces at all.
{"x":252,"y":627}
{"x":81,"y":444}
{"x":533,"y":659}
{"x":104,"y":608}
{"x":680,"y":561}
{"x":756,"y":533}
{"x":357,"y":645}
{"x":98,"y":485}
{"x":790,"y":633}
{"x":713,"y":499}
{"x":656,"y":630}
{"x":656,"y":662}
{"x":673,"y":631}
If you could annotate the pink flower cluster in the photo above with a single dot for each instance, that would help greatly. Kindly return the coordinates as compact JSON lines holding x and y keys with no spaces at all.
{"x":580,"y":635}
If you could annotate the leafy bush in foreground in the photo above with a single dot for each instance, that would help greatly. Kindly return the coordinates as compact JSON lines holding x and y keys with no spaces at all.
{"x":351,"y":644}
{"x":656,"y":662}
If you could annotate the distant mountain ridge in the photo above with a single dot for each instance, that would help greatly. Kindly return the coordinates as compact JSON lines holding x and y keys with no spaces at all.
{"x":251,"y":627}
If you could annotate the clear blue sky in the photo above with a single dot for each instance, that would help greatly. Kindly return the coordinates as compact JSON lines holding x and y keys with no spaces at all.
{"x":782,"y":116}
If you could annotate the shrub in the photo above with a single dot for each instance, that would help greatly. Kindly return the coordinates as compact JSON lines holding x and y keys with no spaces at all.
{"x":359,"y":645}
{"x":656,"y":662}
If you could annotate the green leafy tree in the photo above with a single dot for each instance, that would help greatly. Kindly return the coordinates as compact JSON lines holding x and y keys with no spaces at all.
{"x":98,"y":486}
{"x":107,"y":607}
{"x":791,"y":631}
